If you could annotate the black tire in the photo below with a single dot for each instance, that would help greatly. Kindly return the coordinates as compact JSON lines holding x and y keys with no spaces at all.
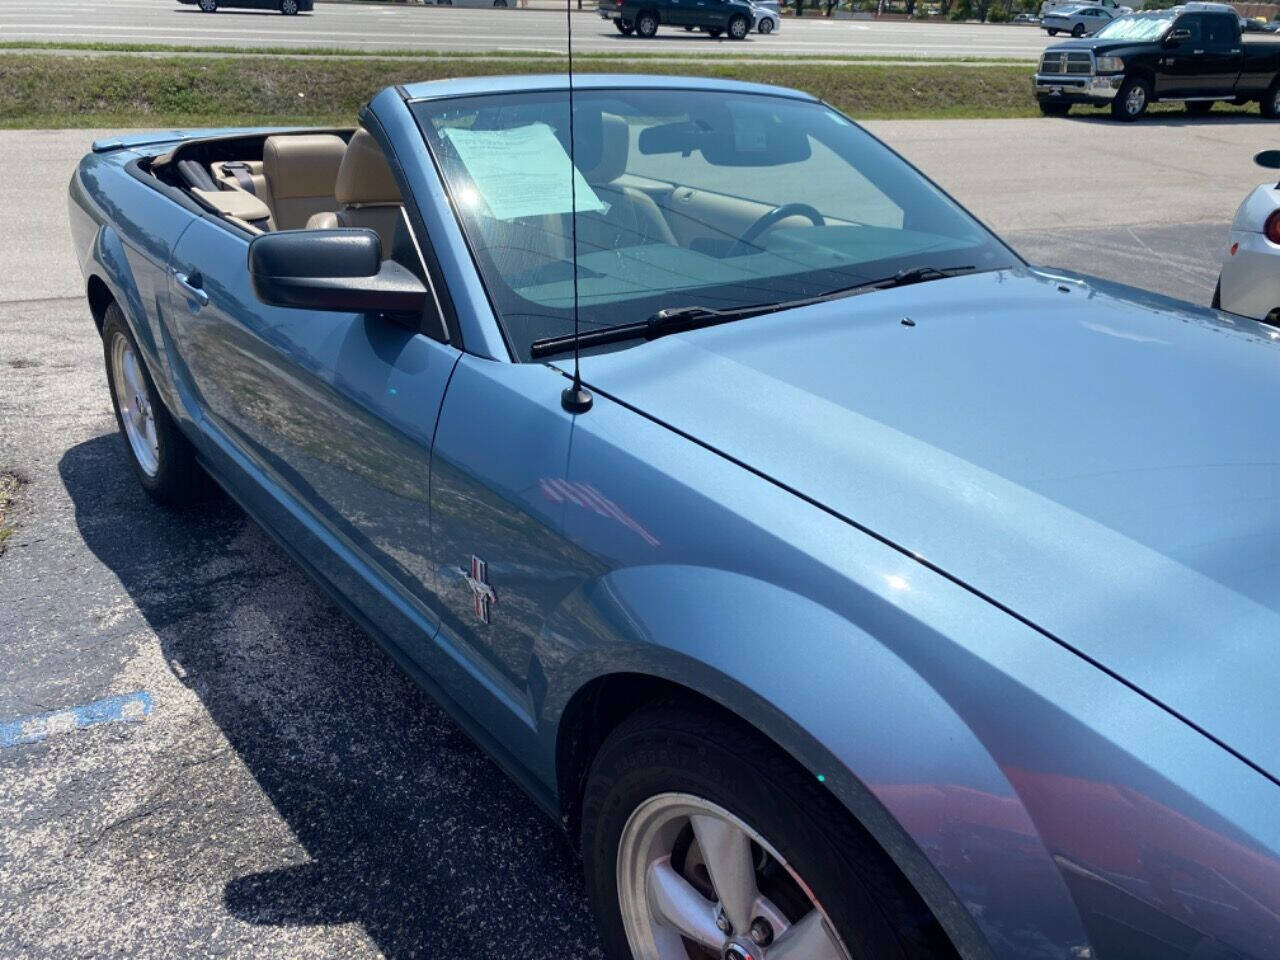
{"x":646,"y":24}
{"x":624,"y":28}
{"x":1051,"y":32}
{"x":179,"y":480}
{"x":1216,"y":302}
{"x":739,"y":27}
{"x":500,"y":3}
{"x":289,"y":7}
{"x":1050,"y":109}
{"x":1198,"y":108}
{"x":688,"y":29}
{"x":1078,"y":30}
{"x":766,"y":25}
{"x":209,"y":6}
{"x":667,"y":749}
{"x":712,"y":31}
{"x":1129,"y":104}
{"x":1269,"y":105}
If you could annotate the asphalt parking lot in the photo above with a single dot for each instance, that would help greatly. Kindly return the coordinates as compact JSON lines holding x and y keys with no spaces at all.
{"x":282,"y":790}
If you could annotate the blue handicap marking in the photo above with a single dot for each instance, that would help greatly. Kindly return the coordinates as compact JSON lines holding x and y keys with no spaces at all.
{"x":128,"y":708}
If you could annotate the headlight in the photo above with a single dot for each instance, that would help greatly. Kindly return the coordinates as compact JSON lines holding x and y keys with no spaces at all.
{"x":1110,"y":65}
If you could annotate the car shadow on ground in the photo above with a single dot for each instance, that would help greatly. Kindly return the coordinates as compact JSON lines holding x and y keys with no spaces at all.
{"x":1168,"y":118}
{"x":408,"y":829}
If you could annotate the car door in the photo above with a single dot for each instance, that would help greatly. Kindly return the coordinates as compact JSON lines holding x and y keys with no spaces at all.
{"x":1182,"y":59}
{"x":333,"y":413}
{"x":1223,"y":56}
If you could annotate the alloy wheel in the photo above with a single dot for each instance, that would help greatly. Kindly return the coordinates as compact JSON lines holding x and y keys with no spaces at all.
{"x":766,"y":25}
{"x":136,"y":411}
{"x":695,"y":882}
{"x":739,"y":28}
{"x":1136,"y":101}
{"x":289,"y":7}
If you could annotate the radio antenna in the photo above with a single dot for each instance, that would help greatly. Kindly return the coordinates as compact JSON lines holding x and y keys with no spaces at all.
{"x":575,"y":398}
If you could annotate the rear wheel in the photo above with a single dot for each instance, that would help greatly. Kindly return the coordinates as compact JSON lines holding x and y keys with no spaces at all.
{"x":702,"y":840}
{"x":1131,"y":100}
{"x":1051,"y":109}
{"x":647,"y":24}
{"x":624,"y":28}
{"x":1051,"y":32}
{"x":712,"y":31}
{"x":1269,"y":105}
{"x":162,"y":457}
{"x":1078,"y":30}
{"x":739,"y":27}
{"x":1198,"y":108}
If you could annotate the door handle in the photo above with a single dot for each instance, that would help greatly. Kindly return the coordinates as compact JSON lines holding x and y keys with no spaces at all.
{"x":191,"y":285}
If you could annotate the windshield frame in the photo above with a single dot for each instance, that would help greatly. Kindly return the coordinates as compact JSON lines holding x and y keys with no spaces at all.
{"x":594,"y":86}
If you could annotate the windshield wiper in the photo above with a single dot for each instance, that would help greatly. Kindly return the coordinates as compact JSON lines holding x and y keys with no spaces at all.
{"x":682,"y":319}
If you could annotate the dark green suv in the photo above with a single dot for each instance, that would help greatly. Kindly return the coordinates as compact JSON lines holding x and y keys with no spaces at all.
{"x":643,"y":17}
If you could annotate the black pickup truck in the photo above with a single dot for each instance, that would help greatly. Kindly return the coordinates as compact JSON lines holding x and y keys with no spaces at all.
{"x":1193,"y":53}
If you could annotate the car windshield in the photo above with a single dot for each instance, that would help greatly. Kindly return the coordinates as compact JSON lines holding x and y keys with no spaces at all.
{"x":1137,"y":27}
{"x":683,"y":198}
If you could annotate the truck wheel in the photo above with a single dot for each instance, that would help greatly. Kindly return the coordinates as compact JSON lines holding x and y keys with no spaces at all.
{"x":162,"y":457}
{"x":1131,"y":100}
{"x":1052,"y":32}
{"x":1269,"y":105}
{"x":647,"y":24}
{"x":624,"y":28}
{"x":1198,"y":108}
{"x":686,"y":810}
{"x":1078,"y":30}
{"x":1050,"y":109}
{"x":739,"y":27}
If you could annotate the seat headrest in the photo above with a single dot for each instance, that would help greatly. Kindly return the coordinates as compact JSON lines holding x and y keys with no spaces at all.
{"x":615,"y":147}
{"x":302,"y":164}
{"x":365,"y":177}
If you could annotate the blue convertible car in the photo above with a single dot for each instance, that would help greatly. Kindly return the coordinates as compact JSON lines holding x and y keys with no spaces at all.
{"x":873,"y":595}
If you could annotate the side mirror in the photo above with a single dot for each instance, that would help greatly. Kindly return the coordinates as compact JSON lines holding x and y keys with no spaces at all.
{"x":340,"y":269}
{"x":1176,"y":37}
{"x":1269,"y":159}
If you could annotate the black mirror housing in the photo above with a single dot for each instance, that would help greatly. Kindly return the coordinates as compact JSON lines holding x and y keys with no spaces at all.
{"x":340,"y":270}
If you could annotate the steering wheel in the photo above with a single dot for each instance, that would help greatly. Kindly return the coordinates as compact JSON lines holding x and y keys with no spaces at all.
{"x":745,"y":242}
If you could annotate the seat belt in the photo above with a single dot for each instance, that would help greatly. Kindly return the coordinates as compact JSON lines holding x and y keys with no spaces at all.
{"x":240,"y":170}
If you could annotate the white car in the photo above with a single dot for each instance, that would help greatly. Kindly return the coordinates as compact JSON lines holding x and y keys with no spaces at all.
{"x":1049,"y":6}
{"x":768,"y":16}
{"x":1083,"y":20}
{"x":1250,"y":281}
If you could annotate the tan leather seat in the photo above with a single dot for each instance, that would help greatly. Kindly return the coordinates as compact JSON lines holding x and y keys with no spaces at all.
{"x":632,"y":217}
{"x":301,"y":171}
{"x":366,"y":191}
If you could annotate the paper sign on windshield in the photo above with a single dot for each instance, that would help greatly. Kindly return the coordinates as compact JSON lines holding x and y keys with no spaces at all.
{"x":522,"y":171}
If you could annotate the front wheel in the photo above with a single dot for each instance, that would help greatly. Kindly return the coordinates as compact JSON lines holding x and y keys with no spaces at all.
{"x":766,"y":25}
{"x":209,"y":6}
{"x":1131,"y":100}
{"x":739,"y":27}
{"x":288,"y":7}
{"x":1269,"y":105}
{"x":647,"y":24}
{"x":701,"y":839}
{"x":624,"y":28}
{"x":162,"y":457}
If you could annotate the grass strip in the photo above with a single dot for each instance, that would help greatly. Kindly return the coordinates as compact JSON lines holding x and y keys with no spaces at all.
{"x":10,"y":484}
{"x":40,"y":90}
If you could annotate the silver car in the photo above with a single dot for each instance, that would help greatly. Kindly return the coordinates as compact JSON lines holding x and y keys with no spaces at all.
{"x":767,"y":17}
{"x":1249,"y":284}
{"x":1082,"y":21}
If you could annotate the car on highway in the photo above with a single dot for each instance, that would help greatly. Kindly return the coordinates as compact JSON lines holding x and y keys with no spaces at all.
{"x":287,"y":7}
{"x":733,"y":18}
{"x":767,"y":16}
{"x":1081,"y":21}
{"x":843,"y":585}
{"x":1192,"y":53}
{"x":1249,"y":284}
{"x":1112,"y":6}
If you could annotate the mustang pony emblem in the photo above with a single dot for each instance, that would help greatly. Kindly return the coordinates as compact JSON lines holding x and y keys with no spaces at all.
{"x":481,"y":591}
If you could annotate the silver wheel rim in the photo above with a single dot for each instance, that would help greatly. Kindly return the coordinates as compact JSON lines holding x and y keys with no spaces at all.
{"x":766,"y":27}
{"x":1136,"y":100}
{"x":136,"y":411}
{"x":666,"y":915}
{"x":290,"y":6}
{"x":737,"y":30}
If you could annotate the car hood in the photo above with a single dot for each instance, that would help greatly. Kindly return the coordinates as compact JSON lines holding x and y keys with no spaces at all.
{"x":1102,"y":461}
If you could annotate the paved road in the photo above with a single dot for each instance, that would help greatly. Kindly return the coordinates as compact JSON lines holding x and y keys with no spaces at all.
{"x":360,"y":27}
{"x":291,"y":794}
